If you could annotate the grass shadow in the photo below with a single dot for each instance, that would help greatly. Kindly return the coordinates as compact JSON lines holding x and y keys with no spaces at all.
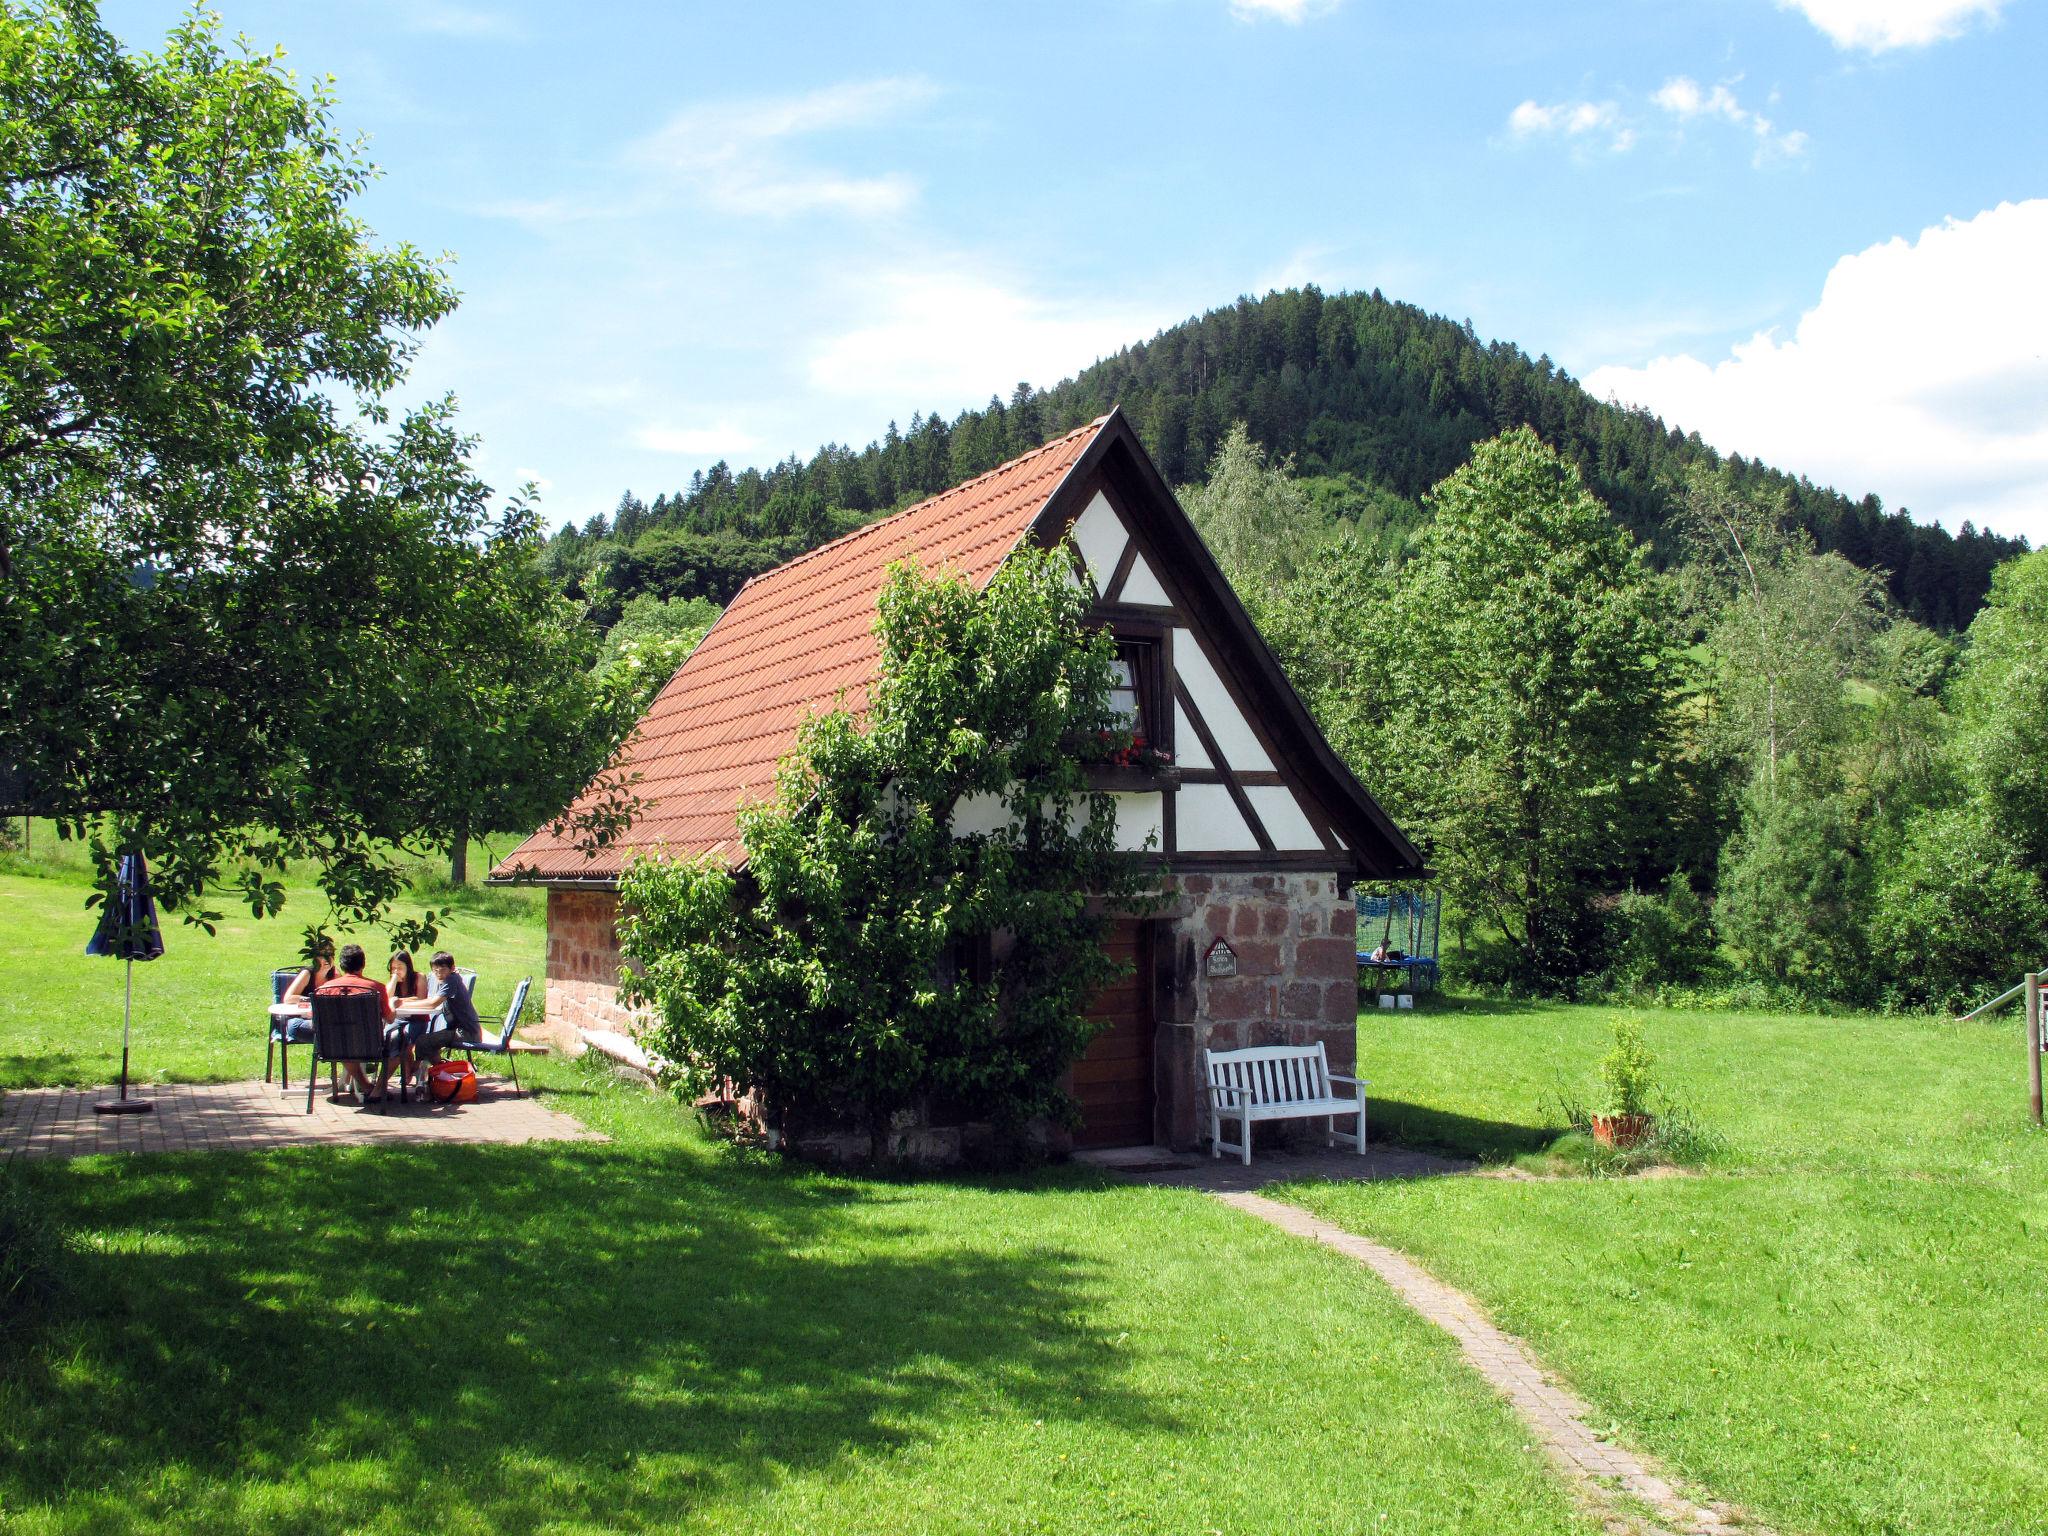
{"x":533,"y":1322}
{"x":1428,"y":1129}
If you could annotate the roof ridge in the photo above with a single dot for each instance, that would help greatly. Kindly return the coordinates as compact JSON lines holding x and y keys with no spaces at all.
{"x":952,"y":490}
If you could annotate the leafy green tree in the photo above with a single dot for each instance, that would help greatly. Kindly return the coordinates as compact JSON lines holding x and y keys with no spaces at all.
{"x":229,"y":577}
{"x":1526,"y":697}
{"x":1793,"y":895}
{"x":1255,"y":518}
{"x":1307,"y":575}
{"x":641,"y":652}
{"x":869,"y":960}
{"x":2000,"y":700}
{"x":1958,"y":912}
{"x":1655,"y":940}
{"x":1786,"y":628}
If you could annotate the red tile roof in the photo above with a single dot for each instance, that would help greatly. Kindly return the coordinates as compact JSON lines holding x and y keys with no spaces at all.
{"x":792,"y":640}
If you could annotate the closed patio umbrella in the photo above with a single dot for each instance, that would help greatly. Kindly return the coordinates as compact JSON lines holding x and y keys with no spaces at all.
{"x":128,"y":930}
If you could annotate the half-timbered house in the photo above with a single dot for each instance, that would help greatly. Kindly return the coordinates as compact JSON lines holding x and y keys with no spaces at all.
{"x":1260,"y":828}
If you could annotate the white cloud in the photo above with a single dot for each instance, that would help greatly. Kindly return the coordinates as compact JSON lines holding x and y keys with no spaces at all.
{"x":733,"y":153}
{"x":461,"y":21}
{"x":1293,"y":12}
{"x":722,"y":441}
{"x":1922,"y":374}
{"x":1572,"y":120}
{"x":1683,"y":97}
{"x":1875,"y":26}
{"x":946,"y":339}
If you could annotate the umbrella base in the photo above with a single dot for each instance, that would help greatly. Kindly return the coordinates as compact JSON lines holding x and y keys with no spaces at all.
{"x":123,"y":1107}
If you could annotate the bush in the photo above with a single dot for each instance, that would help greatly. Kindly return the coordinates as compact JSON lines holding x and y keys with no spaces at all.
{"x":1657,"y":941}
{"x":1792,"y":894}
{"x":1957,"y":914}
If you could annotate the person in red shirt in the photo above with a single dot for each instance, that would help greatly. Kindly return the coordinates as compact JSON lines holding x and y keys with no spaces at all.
{"x":352,"y":979}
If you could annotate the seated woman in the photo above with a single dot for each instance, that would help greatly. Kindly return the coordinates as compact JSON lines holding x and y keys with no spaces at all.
{"x":317,"y":973}
{"x":406,"y":985}
{"x":406,"y":981}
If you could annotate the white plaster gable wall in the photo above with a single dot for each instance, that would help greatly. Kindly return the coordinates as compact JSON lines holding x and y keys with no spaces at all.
{"x":979,"y":814}
{"x":1139,"y":817}
{"x":1100,"y":536}
{"x":1188,"y":750}
{"x":1281,"y":813}
{"x":1234,"y":738}
{"x":1141,"y":586}
{"x":1207,"y":821}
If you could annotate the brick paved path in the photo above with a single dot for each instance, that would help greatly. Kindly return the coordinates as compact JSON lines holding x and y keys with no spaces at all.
{"x":59,"y":1122}
{"x":1556,"y":1416}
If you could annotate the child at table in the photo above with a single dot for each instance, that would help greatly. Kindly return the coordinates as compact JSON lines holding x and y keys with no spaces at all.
{"x":455,"y":1019}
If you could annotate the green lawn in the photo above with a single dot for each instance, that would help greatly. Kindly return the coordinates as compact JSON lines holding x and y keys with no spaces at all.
{"x":199,"y":1011}
{"x":1842,"y":1323}
{"x":659,"y":1331}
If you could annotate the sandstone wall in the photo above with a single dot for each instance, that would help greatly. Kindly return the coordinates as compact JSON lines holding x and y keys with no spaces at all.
{"x":1294,"y":942}
{"x":583,"y":962}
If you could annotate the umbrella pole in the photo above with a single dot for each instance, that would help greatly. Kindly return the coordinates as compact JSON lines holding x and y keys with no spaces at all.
{"x":127,"y":1015}
{"x":125,"y":1105}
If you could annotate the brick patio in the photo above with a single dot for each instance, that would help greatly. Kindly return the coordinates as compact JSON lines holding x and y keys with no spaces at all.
{"x":254,"y":1116}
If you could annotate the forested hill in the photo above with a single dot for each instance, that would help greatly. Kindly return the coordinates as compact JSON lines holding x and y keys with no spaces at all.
{"x":1377,"y":399}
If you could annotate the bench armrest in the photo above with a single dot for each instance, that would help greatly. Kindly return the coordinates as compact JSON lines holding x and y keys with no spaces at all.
{"x":1356,"y":1082}
{"x":1216,"y":1088}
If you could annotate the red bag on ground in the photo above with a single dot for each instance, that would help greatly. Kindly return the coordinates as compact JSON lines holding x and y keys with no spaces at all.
{"x":452,"y":1082}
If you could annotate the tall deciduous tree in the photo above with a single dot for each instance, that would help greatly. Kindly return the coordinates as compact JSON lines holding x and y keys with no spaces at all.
{"x":229,"y":580}
{"x":870,"y":959}
{"x":1786,"y":627}
{"x":1530,"y":663}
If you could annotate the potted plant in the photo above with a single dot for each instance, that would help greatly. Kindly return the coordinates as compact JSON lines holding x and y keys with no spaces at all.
{"x":1625,"y":1073}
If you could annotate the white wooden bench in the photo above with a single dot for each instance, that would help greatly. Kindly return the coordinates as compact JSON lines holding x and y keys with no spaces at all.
{"x":1277,"y":1082}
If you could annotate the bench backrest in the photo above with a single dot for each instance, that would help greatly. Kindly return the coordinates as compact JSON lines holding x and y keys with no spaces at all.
{"x":1272,"y":1074}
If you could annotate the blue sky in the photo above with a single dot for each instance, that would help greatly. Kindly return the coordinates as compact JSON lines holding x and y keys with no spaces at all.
{"x":1815,"y":230}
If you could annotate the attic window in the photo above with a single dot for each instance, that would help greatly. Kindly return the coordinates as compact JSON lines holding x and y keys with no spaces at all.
{"x":1134,"y":695}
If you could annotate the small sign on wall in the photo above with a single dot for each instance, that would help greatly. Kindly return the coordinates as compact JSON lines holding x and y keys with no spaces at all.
{"x":1221,"y":960}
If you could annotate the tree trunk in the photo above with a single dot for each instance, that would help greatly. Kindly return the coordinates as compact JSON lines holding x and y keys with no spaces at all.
{"x":458,"y":859}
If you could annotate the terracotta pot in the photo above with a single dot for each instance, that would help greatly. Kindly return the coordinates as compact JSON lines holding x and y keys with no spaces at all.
{"x":1620,"y":1131}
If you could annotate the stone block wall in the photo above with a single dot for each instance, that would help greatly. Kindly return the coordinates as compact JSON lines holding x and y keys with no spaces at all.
{"x":583,"y":962}
{"x":1294,"y":940}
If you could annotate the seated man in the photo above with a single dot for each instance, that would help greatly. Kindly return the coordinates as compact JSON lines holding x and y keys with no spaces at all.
{"x":454,"y":1021}
{"x":352,"y":979}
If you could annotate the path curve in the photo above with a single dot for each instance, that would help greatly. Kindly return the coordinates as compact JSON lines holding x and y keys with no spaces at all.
{"x":1614,"y":1480}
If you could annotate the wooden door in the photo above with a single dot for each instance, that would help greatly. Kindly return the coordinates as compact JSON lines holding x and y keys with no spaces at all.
{"x":1113,"y":1081}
